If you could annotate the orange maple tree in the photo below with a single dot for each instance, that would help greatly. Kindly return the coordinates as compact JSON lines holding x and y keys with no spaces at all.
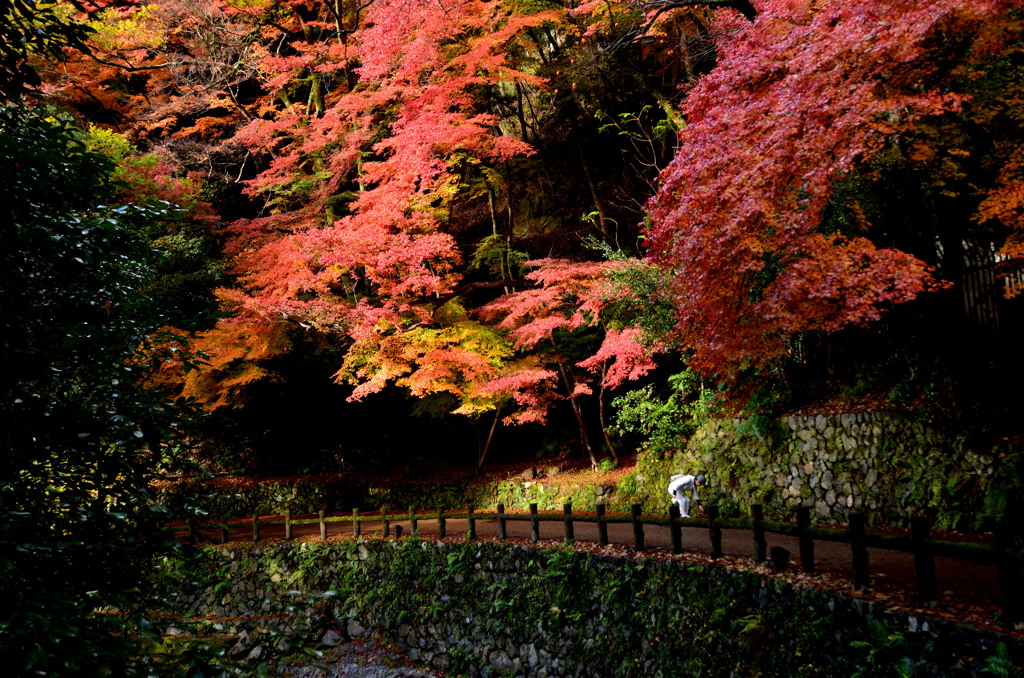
{"x":362,"y":131}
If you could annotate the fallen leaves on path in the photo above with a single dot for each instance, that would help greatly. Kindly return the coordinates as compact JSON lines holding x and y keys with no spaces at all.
{"x":981,"y":614}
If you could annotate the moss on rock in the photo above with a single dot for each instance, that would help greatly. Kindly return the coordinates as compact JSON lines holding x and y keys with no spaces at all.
{"x":489,"y":609}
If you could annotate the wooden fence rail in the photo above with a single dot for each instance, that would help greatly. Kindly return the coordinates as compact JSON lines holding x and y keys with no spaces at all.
{"x":1003,"y":554}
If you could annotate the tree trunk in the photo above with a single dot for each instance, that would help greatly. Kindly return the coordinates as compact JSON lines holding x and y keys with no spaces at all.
{"x":520,"y":113}
{"x":494,"y":227}
{"x":511,"y":214}
{"x":487,"y":445}
{"x":604,"y":221}
{"x":600,"y":411}
{"x":315,"y":103}
{"x":745,"y":8}
{"x":574,"y":401}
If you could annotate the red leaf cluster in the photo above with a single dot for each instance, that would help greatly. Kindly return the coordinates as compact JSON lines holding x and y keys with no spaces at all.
{"x":800,"y":97}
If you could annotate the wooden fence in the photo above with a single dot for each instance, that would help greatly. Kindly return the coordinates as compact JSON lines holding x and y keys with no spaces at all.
{"x":1003,"y":554}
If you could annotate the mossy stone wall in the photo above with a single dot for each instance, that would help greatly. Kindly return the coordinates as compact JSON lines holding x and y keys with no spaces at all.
{"x":488,"y":609}
{"x":887,"y":466}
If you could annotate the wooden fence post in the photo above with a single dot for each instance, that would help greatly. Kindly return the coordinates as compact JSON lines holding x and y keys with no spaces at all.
{"x":534,"y":524}
{"x":385,"y":524}
{"x":501,"y":522}
{"x":924,"y":560}
{"x":1008,"y":569}
{"x":675,"y":529}
{"x":860,"y":551}
{"x":760,"y":543}
{"x":357,"y":526}
{"x":602,"y":527}
{"x":225,"y":532}
{"x":398,"y":532}
{"x":287,"y":525}
{"x":638,"y":528}
{"x":470,"y":524}
{"x":714,"y":531}
{"x":414,"y":526}
{"x":323,"y":526}
{"x":255,"y":528}
{"x":193,"y":530}
{"x":442,"y":525}
{"x":803,"y":521}
{"x":570,"y":535}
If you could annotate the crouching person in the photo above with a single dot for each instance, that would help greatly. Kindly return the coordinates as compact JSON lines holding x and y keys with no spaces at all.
{"x":681,"y":484}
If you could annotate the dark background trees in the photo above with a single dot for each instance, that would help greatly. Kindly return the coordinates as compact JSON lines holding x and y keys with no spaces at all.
{"x":82,"y":437}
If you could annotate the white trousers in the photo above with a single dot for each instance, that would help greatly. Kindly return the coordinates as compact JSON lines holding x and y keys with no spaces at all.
{"x":683,"y":500}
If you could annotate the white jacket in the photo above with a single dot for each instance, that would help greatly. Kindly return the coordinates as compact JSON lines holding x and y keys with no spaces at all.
{"x":683,"y":483}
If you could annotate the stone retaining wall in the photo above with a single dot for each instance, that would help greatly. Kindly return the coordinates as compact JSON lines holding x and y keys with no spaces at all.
{"x":887,"y":466}
{"x":488,"y":609}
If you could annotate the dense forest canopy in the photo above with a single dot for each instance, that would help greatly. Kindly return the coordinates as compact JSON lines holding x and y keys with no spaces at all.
{"x":500,"y":208}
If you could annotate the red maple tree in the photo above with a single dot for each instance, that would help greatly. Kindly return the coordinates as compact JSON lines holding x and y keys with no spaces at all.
{"x":800,"y":98}
{"x":569,"y":296}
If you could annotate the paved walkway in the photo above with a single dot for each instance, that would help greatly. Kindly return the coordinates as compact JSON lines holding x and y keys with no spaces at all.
{"x":965,"y":580}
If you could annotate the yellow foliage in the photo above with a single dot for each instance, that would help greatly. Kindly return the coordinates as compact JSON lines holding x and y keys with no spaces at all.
{"x":254,"y":6}
{"x":450,"y":356}
{"x":112,"y":144}
{"x":117,"y":29}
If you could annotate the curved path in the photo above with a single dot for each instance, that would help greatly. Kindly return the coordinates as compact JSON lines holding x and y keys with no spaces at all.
{"x":964,"y":581}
